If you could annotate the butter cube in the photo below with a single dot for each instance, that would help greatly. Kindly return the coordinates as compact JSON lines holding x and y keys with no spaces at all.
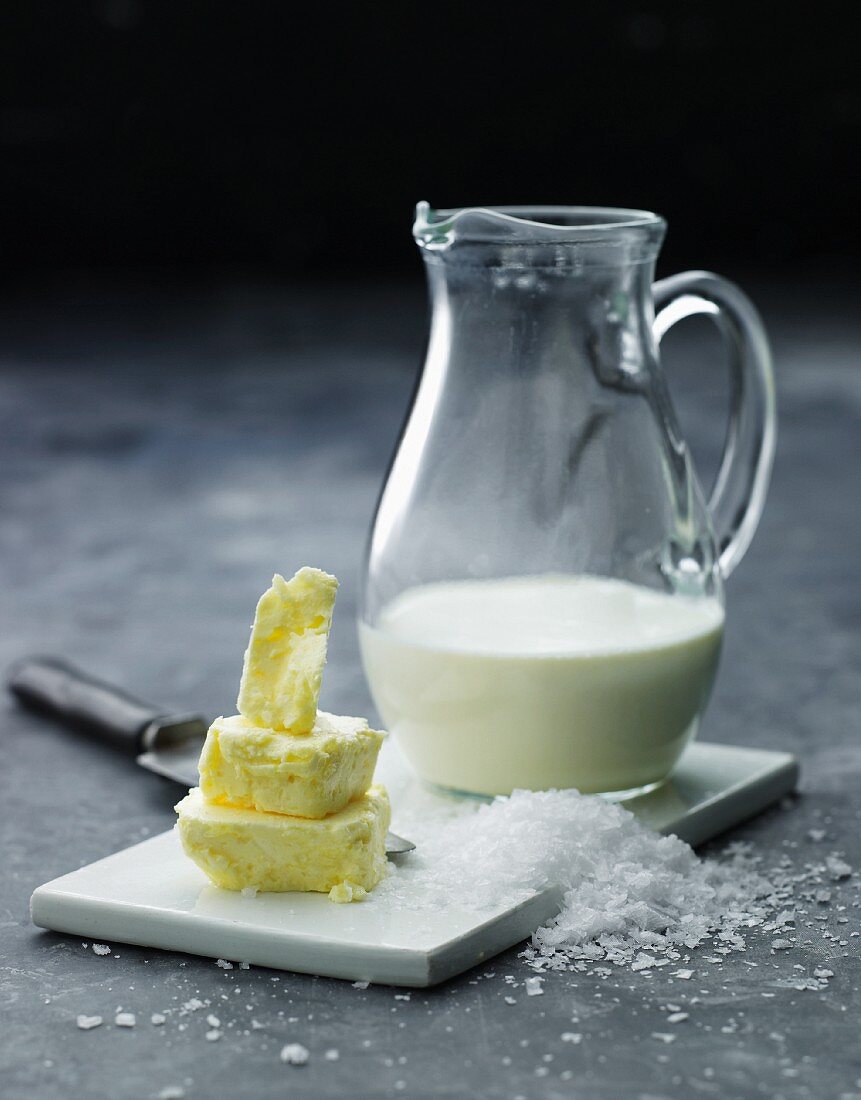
{"x":239,"y":849}
{"x":284,"y":661}
{"x":307,"y":775}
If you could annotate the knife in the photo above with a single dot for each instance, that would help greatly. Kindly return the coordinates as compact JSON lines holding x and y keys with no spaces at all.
{"x":164,"y":743}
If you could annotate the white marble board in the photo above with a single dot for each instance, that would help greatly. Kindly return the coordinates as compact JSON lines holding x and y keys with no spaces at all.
{"x":152,"y":895}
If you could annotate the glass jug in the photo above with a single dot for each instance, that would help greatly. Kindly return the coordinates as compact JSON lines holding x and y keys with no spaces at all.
{"x":542,"y":603}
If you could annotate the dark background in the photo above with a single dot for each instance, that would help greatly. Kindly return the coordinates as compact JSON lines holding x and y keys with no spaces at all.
{"x":295,"y":139}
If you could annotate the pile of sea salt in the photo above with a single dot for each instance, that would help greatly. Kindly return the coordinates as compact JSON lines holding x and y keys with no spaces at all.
{"x":628,"y":895}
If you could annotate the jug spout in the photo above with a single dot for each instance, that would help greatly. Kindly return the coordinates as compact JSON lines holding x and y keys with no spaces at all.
{"x":593,"y":234}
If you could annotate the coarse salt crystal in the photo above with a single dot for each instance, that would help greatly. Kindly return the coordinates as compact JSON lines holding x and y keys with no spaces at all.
{"x":213,"y":1021}
{"x":664,"y":1036}
{"x":101,"y":949}
{"x":125,"y":1019}
{"x":172,"y":1092}
{"x":332,"y":1055}
{"x":533,"y":987}
{"x":361,"y":985}
{"x":294,"y":1054}
{"x":213,"y":1035}
{"x":224,"y":964}
{"x":86,"y":1023}
{"x":157,"y":1018}
{"x":837,"y":868}
{"x":677,"y":1017}
{"x":571,"y":1037}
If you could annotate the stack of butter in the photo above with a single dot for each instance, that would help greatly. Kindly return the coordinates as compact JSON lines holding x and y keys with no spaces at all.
{"x":285,"y":799}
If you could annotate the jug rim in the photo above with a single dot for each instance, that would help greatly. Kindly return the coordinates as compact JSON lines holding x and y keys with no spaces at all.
{"x":524,"y":224}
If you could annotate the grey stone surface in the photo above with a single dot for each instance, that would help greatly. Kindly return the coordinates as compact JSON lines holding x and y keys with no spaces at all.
{"x":161,"y":453}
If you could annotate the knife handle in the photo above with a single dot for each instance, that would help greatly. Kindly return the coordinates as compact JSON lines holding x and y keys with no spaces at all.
{"x":55,"y":687}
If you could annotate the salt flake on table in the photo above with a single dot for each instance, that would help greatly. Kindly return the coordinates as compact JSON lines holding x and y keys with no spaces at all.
{"x":837,"y":868}
{"x":294,"y":1054}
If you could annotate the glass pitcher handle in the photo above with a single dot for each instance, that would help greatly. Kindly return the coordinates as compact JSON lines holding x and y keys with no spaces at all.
{"x":738,"y":495}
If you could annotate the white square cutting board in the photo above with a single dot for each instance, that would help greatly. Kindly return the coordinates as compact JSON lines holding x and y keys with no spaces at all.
{"x":151,"y":894}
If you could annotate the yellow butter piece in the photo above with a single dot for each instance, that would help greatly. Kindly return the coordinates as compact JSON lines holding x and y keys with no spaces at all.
{"x":308,"y":775}
{"x":284,"y":661}
{"x":242,"y":849}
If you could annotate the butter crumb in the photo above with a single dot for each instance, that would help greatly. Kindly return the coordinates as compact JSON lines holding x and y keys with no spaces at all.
{"x":346,"y":892}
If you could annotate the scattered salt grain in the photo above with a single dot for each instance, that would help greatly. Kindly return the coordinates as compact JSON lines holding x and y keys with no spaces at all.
{"x":361,"y":985}
{"x":837,"y":868}
{"x":510,"y":1000}
{"x":664,"y":1036}
{"x":685,"y":975}
{"x":172,"y":1092}
{"x":224,"y":964}
{"x":332,"y":1055}
{"x":101,"y":949}
{"x":677,"y":1017}
{"x":213,"y":1021}
{"x":125,"y":1019}
{"x":250,"y":891}
{"x":571,"y":1037}
{"x":214,"y":1035}
{"x":157,"y":1018}
{"x":821,"y":972}
{"x":86,"y":1023}
{"x":533,"y":987}
{"x":294,"y":1054}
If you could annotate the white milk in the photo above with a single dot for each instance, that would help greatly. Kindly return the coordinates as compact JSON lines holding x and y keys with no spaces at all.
{"x":541,"y":682}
